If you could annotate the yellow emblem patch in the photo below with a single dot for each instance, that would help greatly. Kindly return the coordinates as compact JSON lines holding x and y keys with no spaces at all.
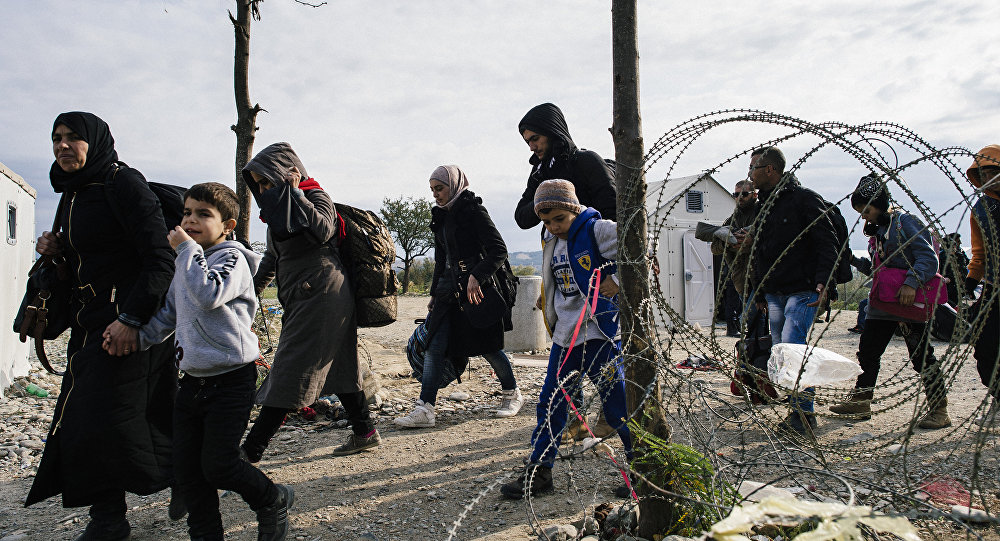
{"x":584,"y":261}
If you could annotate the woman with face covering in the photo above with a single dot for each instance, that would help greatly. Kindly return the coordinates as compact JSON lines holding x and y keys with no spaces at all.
{"x":468,"y":251}
{"x":318,"y":347}
{"x":111,"y":428}
{"x":901,"y":241}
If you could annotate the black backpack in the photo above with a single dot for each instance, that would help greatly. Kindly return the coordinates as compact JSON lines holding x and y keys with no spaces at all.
{"x":368,"y":251}
{"x":842,"y":271}
{"x":171,"y":199}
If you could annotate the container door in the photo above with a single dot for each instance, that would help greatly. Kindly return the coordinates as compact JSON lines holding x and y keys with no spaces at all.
{"x":699,"y":290}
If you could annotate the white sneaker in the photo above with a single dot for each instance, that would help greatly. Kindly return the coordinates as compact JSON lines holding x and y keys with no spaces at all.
{"x":421,"y":417}
{"x":990,"y":417}
{"x":511,"y":404}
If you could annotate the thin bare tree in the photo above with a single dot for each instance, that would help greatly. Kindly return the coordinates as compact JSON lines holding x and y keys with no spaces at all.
{"x":246,"y":114}
{"x":633,"y":266}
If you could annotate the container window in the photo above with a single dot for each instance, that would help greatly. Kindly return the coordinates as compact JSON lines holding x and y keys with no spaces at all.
{"x":11,"y":222}
{"x":695,"y":201}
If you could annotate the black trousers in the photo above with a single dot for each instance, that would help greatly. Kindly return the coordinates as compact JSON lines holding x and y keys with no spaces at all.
{"x":876,"y":337}
{"x":210,"y":416}
{"x":987,"y":347}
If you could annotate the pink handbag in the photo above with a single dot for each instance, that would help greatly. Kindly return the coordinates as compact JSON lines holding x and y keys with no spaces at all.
{"x":885,"y":292}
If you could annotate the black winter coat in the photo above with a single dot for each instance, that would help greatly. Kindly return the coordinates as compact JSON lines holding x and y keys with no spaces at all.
{"x":112,"y":424}
{"x":795,"y":244}
{"x":465,"y":233}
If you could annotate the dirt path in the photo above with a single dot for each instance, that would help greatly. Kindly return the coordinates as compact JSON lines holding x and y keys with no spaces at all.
{"x":420,"y":483}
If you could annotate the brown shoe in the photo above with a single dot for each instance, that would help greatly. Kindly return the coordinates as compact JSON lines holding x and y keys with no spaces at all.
{"x":600,"y":427}
{"x":937,"y":417}
{"x":857,"y":406}
{"x":574,"y":431}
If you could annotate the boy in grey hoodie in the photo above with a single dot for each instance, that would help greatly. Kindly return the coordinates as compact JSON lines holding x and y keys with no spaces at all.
{"x":210,"y":308}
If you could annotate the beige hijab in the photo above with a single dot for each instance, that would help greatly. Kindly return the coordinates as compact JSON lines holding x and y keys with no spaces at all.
{"x":452,"y":177}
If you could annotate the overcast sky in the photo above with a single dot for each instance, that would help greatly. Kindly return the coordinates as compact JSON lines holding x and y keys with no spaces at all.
{"x":374,"y":95}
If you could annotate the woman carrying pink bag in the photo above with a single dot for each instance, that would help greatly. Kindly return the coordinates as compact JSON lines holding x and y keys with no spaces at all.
{"x":905,"y":263}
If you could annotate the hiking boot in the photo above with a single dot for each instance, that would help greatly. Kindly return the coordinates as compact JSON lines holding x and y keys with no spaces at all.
{"x":421,"y":417}
{"x":990,"y":417}
{"x":355,"y":444}
{"x":937,"y":417}
{"x":574,"y":431}
{"x":600,"y":427}
{"x":858,"y":405}
{"x":534,"y":480}
{"x":511,"y":403}
{"x":272,"y":521}
{"x":177,"y":508}
{"x":794,"y":424}
{"x":100,"y":530}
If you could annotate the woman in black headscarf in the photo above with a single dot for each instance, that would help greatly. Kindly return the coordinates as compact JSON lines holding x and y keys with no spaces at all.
{"x":318,"y":349}
{"x":111,"y":429}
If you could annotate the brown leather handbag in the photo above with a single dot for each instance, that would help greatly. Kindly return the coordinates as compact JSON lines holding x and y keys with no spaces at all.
{"x":45,"y":309}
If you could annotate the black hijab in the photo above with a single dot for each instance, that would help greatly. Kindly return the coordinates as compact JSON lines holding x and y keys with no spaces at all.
{"x":548,"y":120}
{"x":100,"y":152}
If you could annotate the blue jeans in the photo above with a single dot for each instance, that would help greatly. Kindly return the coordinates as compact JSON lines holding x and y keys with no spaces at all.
{"x":601,"y":361}
{"x":436,"y":354}
{"x":790,"y":319}
{"x":210,"y":415}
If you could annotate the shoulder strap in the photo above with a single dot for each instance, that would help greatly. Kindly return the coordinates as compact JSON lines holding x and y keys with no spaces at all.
{"x":109,"y":193}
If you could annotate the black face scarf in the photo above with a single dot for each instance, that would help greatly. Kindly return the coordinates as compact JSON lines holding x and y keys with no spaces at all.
{"x":548,"y":120}
{"x":100,"y":151}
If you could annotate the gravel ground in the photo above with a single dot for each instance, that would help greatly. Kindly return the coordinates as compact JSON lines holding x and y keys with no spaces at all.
{"x":422,"y":484}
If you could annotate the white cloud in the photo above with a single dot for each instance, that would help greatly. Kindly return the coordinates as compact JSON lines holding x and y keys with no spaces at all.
{"x":374,"y":96}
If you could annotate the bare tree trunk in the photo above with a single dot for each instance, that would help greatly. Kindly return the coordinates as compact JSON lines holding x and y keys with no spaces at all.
{"x":246,"y":115}
{"x":632,"y":259}
{"x":406,"y":273}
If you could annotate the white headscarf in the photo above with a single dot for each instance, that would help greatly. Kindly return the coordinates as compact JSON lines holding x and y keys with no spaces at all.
{"x":452,"y":177}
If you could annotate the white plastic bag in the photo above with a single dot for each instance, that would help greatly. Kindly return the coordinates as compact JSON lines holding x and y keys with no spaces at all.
{"x":822,"y":366}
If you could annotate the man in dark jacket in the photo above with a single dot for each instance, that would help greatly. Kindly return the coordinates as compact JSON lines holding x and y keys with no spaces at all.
{"x":794,"y":256}
{"x":554,"y":155}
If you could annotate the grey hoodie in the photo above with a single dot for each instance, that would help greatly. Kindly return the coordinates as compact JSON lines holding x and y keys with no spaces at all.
{"x":211,"y":304}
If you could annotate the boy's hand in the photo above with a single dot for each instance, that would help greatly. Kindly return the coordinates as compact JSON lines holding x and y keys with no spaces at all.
{"x":608,"y":287}
{"x":120,"y":339}
{"x":538,"y":302}
{"x":177,"y":236}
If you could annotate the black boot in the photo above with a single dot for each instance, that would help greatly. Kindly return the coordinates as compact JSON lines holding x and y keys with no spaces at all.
{"x":102,"y":530}
{"x":272,"y":521}
{"x":535,"y":480}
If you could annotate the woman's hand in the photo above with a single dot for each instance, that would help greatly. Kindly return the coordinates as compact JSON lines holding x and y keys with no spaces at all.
{"x":430,"y":304}
{"x":608,"y":287}
{"x":120,"y":339}
{"x":293,"y":177}
{"x":474,"y":292}
{"x":906,"y":295}
{"x":49,"y":243}
{"x":538,"y":303}
{"x":177,"y":236}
